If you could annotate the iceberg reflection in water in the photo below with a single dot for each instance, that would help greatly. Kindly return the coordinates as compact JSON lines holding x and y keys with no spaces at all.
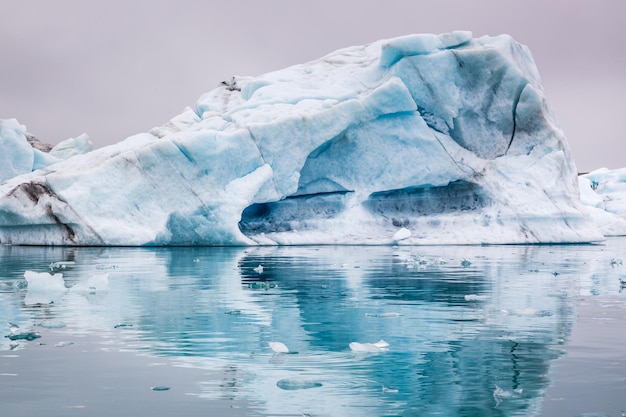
{"x":360,"y":331}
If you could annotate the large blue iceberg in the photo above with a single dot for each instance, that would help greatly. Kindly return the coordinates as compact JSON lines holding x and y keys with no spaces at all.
{"x":422,"y":139}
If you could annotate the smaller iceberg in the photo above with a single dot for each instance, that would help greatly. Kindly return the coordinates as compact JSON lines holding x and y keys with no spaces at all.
{"x":603,"y":194}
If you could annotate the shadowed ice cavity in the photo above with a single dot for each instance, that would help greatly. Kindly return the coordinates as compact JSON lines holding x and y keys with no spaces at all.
{"x":458,"y":332}
{"x":396,"y":206}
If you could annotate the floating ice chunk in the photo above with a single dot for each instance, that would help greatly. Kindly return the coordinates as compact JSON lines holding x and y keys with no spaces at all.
{"x":616,"y":262}
{"x":296,"y":384}
{"x":43,"y":288}
{"x":43,"y":281}
{"x":24,"y":336}
{"x":279,"y":347}
{"x":380,"y":346}
{"x":475,"y":297}
{"x":56,"y":266}
{"x":63,"y":344}
{"x":465,"y":263}
{"x":401,"y":234}
{"x":389,"y":390}
{"x":258,"y":269}
{"x":390,"y":314}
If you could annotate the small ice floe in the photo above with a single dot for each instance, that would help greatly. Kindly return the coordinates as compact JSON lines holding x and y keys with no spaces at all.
{"x":63,"y":344}
{"x":476,"y":297}
{"x":28,"y":336}
{"x":465,"y":263}
{"x":389,"y":390}
{"x":401,"y":234}
{"x":20,"y":335}
{"x":43,"y":288}
{"x":616,"y":262}
{"x":258,"y":269}
{"x":383,"y":315}
{"x":380,"y":346}
{"x":43,"y":281}
{"x":296,"y":384}
{"x":500,"y":394}
{"x":279,"y":347}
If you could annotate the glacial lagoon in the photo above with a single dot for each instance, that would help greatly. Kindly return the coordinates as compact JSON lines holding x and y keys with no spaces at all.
{"x":296,"y":331}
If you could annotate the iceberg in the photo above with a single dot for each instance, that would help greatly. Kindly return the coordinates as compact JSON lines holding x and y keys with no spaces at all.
{"x":421,"y":139}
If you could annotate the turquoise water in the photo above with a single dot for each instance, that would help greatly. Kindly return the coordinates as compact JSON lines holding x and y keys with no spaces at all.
{"x":471,"y":331}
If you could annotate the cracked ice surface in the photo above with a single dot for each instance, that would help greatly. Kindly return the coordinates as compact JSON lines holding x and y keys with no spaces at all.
{"x":445,"y":138}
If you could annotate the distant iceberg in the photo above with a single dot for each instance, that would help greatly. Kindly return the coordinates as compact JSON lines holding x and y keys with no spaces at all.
{"x":603,"y":192}
{"x":422,"y":139}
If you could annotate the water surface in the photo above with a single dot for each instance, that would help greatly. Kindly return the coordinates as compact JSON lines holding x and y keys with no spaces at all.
{"x":471,"y":331}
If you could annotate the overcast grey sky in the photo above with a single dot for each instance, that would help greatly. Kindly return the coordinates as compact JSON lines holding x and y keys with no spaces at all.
{"x":118,"y":67}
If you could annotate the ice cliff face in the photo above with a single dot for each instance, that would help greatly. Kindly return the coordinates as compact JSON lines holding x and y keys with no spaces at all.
{"x":422,"y":139}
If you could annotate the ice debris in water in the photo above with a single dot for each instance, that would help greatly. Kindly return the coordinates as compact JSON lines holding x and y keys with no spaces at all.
{"x":258,"y":269}
{"x":383,"y":314}
{"x":63,"y":344}
{"x":43,"y":281}
{"x":296,"y":384}
{"x":43,"y":288}
{"x":380,"y":346}
{"x":56,"y":266}
{"x":414,"y":262}
{"x":465,"y":263}
{"x":279,"y":347}
{"x":616,"y":262}
{"x":476,"y":297}
{"x":28,"y":336}
{"x":389,"y":390}
{"x":262,"y":285}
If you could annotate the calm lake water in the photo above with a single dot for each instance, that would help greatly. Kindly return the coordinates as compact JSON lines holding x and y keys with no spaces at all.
{"x":471,"y":331}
